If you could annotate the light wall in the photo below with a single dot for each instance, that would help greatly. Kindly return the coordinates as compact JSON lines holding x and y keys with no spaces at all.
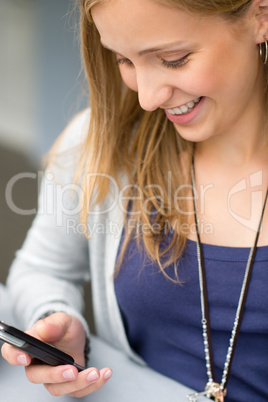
{"x":40,"y":80}
{"x":18,"y":75}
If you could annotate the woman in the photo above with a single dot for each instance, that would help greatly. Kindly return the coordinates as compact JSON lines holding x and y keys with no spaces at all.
{"x":172,"y":175}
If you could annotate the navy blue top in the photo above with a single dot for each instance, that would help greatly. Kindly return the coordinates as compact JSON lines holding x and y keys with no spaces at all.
{"x":163,"y":319}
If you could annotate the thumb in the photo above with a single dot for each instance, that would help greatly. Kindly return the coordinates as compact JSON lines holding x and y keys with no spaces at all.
{"x":52,"y":328}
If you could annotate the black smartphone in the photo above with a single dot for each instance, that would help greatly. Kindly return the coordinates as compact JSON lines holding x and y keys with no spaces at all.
{"x":40,"y":350}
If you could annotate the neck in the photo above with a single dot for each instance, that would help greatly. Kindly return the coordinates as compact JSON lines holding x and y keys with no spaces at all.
{"x":235,"y":149}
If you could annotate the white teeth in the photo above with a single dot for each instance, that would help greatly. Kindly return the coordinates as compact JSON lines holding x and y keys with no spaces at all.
{"x":177,"y":110}
{"x":190,"y":104}
{"x":184,"y":108}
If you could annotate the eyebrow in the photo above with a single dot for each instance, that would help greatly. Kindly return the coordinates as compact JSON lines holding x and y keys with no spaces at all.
{"x":165,"y":47}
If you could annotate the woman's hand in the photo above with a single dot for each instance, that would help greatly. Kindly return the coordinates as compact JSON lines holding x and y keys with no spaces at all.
{"x":66,"y":333}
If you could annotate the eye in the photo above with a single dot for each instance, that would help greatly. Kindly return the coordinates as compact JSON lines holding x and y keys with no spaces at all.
{"x":176,"y":63}
{"x":123,"y":60}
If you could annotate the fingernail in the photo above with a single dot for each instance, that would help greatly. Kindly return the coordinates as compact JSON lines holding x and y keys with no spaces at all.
{"x":93,"y":376}
{"x":108,"y":374}
{"x":22,"y":360}
{"x":68,"y":374}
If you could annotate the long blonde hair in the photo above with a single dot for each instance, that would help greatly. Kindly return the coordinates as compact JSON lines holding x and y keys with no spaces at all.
{"x":124,"y":138}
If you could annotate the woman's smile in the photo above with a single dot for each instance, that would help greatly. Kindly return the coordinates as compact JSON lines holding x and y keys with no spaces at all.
{"x":185,"y":113}
{"x":185,"y":108}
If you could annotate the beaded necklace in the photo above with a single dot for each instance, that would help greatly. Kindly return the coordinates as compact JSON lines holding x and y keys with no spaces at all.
{"x":213,"y":389}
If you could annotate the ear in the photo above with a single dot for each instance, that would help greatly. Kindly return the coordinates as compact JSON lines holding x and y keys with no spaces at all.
{"x":260,"y":9}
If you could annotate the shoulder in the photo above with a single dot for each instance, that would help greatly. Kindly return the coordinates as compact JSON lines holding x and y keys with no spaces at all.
{"x":74,"y":133}
{"x":65,"y":155}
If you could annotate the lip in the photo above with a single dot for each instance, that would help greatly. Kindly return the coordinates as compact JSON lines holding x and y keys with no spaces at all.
{"x":186,"y":118}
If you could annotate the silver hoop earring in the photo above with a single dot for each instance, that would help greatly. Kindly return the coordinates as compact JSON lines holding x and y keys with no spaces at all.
{"x":264,"y":52}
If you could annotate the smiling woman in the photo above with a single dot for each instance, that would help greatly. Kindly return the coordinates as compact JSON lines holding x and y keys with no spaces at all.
{"x":171,"y":168}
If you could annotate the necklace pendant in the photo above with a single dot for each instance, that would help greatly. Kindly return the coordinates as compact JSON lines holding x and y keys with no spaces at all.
{"x":213,"y":389}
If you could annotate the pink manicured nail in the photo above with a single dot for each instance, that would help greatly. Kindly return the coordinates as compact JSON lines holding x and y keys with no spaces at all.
{"x":108,"y":374}
{"x":22,"y":360}
{"x":93,"y":376}
{"x":68,"y":374}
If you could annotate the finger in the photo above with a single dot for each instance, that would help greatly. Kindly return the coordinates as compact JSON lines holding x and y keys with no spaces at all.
{"x":105,"y":375}
{"x":88,"y":381}
{"x":14,"y":356}
{"x":43,"y":373}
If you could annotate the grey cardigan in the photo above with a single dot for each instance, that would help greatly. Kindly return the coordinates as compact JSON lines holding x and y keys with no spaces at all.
{"x":56,"y":258}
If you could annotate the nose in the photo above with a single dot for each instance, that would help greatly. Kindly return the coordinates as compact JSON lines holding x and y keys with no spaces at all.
{"x":153,"y":90}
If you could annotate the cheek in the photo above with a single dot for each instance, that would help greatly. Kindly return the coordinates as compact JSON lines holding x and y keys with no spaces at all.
{"x":206,"y":81}
{"x":128,"y":75}
{"x":210,"y":72}
{"x":222,"y":73}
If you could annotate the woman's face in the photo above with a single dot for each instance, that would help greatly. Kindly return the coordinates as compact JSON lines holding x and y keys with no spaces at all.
{"x":201,"y":70}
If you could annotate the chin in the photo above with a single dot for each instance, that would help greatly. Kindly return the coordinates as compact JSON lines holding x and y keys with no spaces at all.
{"x":192,"y":135}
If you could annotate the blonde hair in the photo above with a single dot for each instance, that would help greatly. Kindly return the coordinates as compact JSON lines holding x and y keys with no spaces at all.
{"x":124,"y":138}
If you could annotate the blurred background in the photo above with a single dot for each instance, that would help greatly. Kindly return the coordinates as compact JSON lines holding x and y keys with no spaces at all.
{"x":41,"y":89}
